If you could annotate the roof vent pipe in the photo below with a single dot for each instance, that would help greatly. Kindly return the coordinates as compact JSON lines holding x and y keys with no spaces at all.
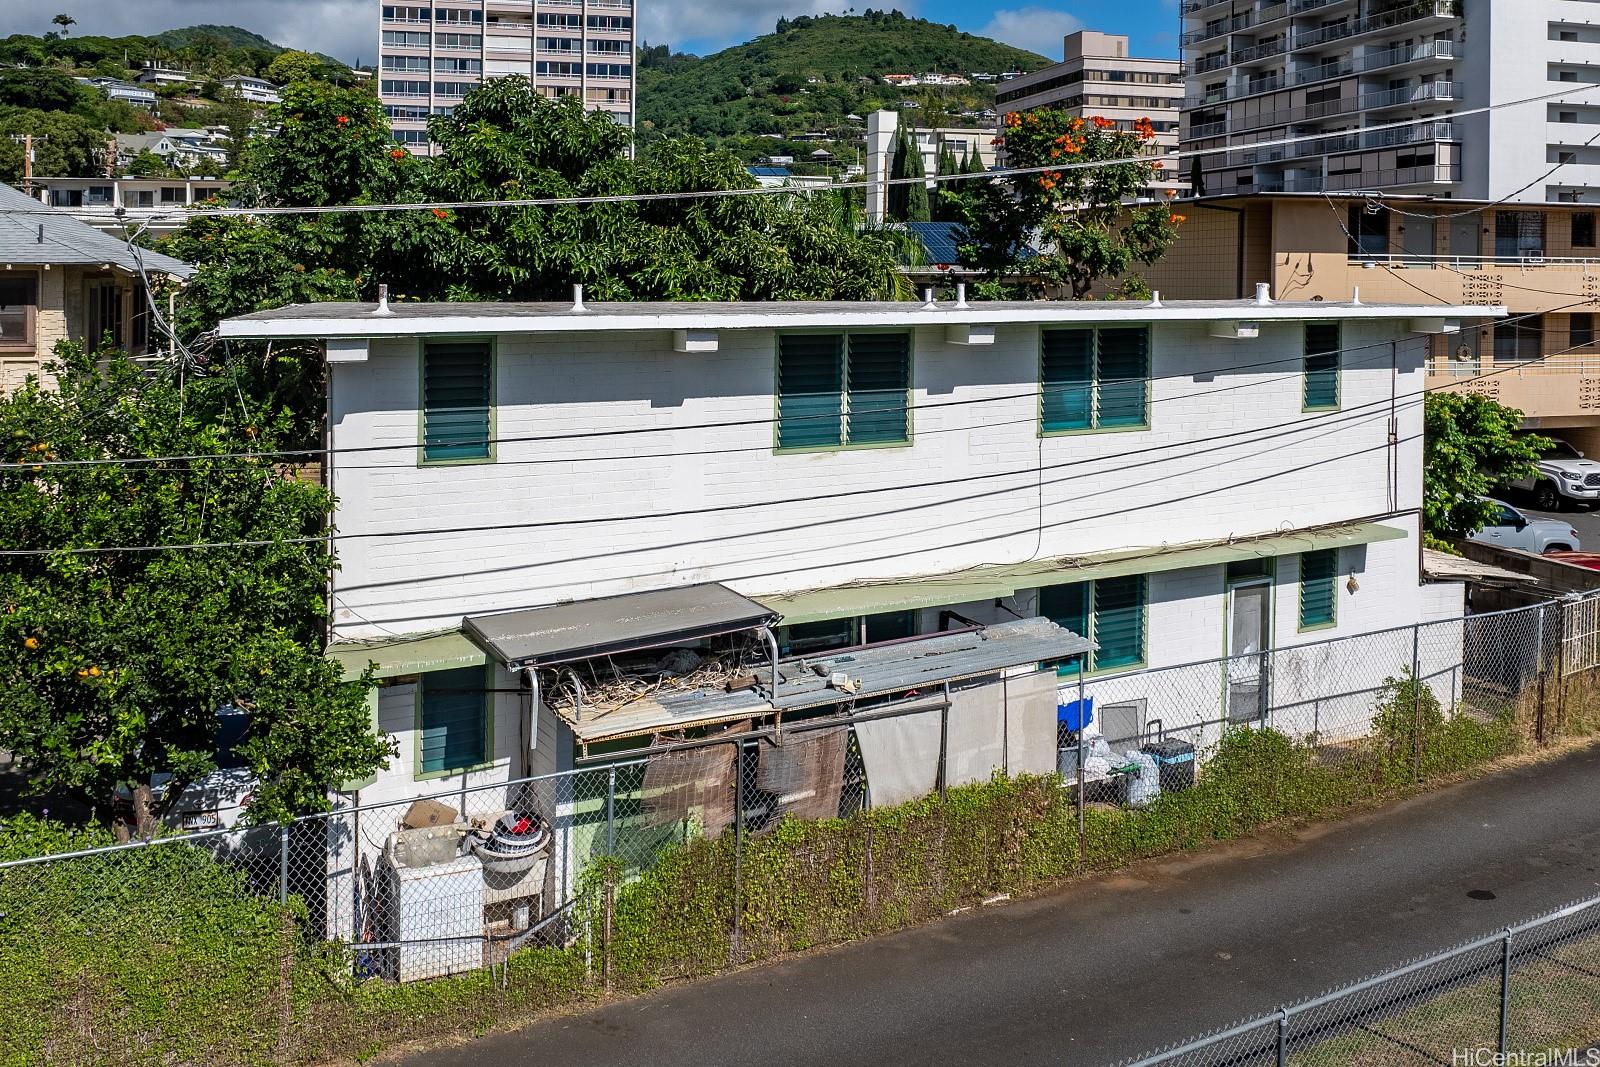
{"x":41,"y":233}
{"x":1263,"y":293}
{"x":928,"y":303}
{"x":577,"y":298}
{"x":1155,"y":299}
{"x":383,"y":301}
{"x":1355,"y":296}
{"x":961,"y":294}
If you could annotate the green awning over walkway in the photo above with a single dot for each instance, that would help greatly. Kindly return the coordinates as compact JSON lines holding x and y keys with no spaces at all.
{"x":990,"y":583}
{"x":408,"y":655}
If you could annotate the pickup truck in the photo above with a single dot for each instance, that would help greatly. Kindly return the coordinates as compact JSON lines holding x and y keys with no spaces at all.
{"x":1565,"y":476}
{"x":1513,"y":529}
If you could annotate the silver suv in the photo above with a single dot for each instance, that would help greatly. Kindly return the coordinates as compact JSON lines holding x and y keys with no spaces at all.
{"x":1512,"y":529}
{"x":1564,"y":475}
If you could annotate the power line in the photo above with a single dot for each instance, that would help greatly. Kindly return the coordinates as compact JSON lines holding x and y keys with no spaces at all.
{"x":550,"y":439}
{"x":413,"y":533}
{"x":157,"y":214}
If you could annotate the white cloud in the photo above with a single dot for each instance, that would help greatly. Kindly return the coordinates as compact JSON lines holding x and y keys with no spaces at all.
{"x":707,"y":27}
{"x":1038,"y":29}
{"x":344,"y":29}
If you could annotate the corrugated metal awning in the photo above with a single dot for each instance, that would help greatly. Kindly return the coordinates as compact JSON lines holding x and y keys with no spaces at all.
{"x":990,"y":583}
{"x":920,"y":663}
{"x":562,"y":633}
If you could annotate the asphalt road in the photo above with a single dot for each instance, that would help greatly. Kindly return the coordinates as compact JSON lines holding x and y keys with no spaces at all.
{"x":1116,"y":966}
{"x":1584,"y":519}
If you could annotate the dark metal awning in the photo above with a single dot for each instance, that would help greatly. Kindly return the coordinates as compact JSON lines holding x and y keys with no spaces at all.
{"x":562,"y":633}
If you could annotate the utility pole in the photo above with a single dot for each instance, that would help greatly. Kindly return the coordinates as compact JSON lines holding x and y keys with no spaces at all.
{"x":26,"y":140}
{"x":111,"y":157}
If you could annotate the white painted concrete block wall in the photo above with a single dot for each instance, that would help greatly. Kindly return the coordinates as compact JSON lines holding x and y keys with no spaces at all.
{"x":579,"y":503}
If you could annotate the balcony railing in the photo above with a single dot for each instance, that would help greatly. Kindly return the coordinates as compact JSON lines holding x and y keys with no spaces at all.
{"x":1256,"y":52}
{"x":1300,"y":6}
{"x":1208,"y":129}
{"x":1423,"y":9}
{"x":1210,"y":63}
{"x":1432,"y":174}
{"x":1217,"y":29}
{"x":1411,"y":94}
{"x":1457,"y":262}
{"x":1323,"y":71}
{"x":1447,"y":367}
{"x":1400,"y":55}
{"x":1303,"y":183}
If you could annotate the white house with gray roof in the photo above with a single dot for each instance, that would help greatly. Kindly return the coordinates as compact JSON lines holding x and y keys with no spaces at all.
{"x":1172,"y":482}
{"x":61,"y":279}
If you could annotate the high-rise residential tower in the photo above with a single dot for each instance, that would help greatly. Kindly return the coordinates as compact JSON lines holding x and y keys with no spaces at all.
{"x":432,"y":52}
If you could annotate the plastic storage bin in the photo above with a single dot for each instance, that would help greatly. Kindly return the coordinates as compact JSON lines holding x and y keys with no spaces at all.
{"x":1175,"y":759}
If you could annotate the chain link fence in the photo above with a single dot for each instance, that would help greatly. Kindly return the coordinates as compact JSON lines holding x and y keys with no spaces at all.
{"x":515,"y":888}
{"x":1525,"y":994}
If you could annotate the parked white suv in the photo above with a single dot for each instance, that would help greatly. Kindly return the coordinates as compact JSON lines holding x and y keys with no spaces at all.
{"x":1513,"y":529}
{"x":1564,"y":475}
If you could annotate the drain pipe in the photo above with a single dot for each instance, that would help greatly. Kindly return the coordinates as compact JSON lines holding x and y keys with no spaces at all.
{"x":772,"y":647}
{"x":577,"y":685}
{"x":533,"y":706}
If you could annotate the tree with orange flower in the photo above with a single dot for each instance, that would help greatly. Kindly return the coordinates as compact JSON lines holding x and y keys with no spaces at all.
{"x":1074,"y":215}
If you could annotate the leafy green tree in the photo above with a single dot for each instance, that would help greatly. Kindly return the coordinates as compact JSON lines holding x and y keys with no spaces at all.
{"x":66,"y":22}
{"x":64,"y":146}
{"x":1076,"y":220}
{"x":117,"y":660}
{"x":1471,"y":449}
{"x":41,"y":89}
{"x":292,"y":66}
{"x":148,"y":165}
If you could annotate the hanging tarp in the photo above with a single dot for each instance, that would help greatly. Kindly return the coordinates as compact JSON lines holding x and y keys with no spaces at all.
{"x":901,"y":757}
{"x":805,"y":772}
{"x":694,"y":785}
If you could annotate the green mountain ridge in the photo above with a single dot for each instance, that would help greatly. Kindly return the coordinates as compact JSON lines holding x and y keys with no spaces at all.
{"x":813,"y":72}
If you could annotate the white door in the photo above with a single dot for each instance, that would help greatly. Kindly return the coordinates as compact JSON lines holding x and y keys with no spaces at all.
{"x":1249,"y":641}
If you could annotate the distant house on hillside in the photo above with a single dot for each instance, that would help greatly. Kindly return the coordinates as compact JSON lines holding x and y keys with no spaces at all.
{"x":255,"y":90}
{"x":180,"y":147}
{"x":65,"y":280}
{"x":155,"y":75}
{"x":127,"y":92}
{"x":903,"y":81}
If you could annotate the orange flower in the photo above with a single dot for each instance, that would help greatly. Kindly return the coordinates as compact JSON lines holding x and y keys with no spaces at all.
{"x":440,"y":214}
{"x":1055,"y":153}
{"x":398,"y":153}
{"x":343,"y":120}
{"x":1171,"y":193}
{"x":1103,"y":123}
{"x":1179,"y":220}
{"x":31,"y":643}
{"x":1076,"y":124}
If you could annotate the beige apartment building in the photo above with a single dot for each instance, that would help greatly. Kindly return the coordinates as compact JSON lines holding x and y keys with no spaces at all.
{"x":61,"y":279}
{"x":1097,"y":76}
{"x":431,"y":54}
{"x":1542,"y":261}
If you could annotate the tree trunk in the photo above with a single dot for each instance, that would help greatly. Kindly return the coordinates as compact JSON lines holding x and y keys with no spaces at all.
{"x":145,"y":823}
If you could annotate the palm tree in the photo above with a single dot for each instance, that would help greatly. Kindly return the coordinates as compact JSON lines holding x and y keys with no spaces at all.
{"x":64,"y":21}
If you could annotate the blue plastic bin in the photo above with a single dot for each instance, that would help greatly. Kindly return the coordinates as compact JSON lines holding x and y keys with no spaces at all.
{"x":1075,"y":715}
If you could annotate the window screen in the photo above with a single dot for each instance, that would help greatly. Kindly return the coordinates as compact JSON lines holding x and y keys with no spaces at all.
{"x":1322,"y":365}
{"x":1317,"y":573}
{"x":453,"y":732}
{"x":1094,"y":378}
{"x":836,"y":390}
{"x":457,"y":392}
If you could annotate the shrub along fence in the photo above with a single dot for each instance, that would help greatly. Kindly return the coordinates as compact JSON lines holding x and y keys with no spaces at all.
{"x":288,"y":944}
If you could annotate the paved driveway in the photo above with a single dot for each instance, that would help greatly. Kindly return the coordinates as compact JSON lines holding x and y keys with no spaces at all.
{"x":1118,"y":965}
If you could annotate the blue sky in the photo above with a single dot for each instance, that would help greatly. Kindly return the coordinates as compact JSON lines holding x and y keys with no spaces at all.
{"x":348,"y":29}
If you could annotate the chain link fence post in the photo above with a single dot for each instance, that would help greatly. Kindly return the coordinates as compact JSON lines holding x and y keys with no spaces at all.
{"x":1561,"y":666}
{"x":283,"y":863}
{"x":1505,"y":991}
{"x":611,"y":810}
{"x":1538,"y":715}
{"x":1416,"y":703}
{"x":1083,"y":837}
{"x":735,"y":946}
{"x":1283,"y":1036}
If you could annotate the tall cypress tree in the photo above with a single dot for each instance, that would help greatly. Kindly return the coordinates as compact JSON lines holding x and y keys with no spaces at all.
{"x":899,"y":161}
{"x":916,"y":191}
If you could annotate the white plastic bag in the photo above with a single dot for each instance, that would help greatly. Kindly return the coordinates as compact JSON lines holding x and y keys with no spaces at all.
{"x":1147,"y":785}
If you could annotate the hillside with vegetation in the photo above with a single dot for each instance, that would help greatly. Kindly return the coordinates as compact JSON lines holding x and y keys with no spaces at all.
{"x":811,"y":74}
{"x":40,"y":93}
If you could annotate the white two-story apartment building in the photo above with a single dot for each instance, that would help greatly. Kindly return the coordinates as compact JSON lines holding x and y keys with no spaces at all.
{"x":1173,"y":482}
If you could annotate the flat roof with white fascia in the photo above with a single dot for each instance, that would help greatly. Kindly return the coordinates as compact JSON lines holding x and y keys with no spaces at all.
{"x":354,"y":320}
